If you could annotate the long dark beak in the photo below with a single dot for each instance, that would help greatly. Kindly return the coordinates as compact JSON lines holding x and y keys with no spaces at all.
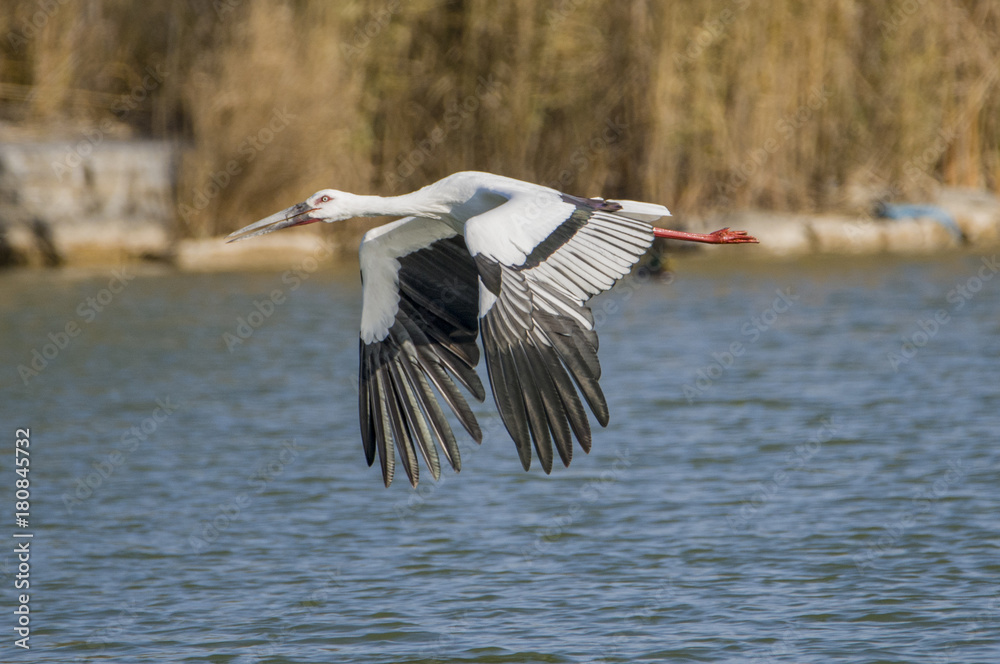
{"x":297,"y":215}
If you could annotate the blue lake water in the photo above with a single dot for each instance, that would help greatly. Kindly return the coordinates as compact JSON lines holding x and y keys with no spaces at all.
{"x":801,"y":466}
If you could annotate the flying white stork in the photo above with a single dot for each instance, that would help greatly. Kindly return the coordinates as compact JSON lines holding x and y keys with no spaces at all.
{"x":477,"y":253}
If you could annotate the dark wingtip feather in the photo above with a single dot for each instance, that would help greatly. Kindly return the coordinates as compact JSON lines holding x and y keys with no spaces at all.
{"x":432,"y":341}
{"x":478,"y":390}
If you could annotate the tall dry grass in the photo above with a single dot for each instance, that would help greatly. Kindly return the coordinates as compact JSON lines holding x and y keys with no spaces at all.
{"x":712,"y":103}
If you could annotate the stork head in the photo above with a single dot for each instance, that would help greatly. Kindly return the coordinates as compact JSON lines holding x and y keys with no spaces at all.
{"x":327,"y":205}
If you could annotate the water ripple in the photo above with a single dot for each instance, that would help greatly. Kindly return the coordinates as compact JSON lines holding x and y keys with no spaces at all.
{"x":800,"y":500}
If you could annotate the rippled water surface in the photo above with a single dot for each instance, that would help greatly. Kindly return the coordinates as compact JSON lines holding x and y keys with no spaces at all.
{"x":801,"y":466}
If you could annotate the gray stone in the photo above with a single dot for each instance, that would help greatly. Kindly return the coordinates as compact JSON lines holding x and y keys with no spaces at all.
{"x":98,"y":199}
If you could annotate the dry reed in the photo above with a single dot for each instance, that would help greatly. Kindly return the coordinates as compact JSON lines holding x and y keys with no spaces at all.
{"x":715,"y":103}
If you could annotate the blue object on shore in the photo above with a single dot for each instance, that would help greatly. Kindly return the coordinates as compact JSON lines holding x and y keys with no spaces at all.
{"x":909,"y":211}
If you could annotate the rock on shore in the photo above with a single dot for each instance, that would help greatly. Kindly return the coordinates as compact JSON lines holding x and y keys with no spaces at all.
{"x":97,"y":200}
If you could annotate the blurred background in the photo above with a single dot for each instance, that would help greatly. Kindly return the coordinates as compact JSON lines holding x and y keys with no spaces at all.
{"x":706,"y":106}
{"x":801,"y":463}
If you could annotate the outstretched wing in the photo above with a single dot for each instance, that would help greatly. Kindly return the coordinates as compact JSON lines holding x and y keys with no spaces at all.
{"x":418,"y":329}
{"x":540,"y":256}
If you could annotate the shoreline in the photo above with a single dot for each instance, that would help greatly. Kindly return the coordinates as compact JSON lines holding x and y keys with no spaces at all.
{"x":116,"y":205}
{"x":782,"y":236}
{"x":316,"y":253}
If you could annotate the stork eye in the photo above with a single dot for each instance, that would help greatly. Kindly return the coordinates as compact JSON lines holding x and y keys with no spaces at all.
{"x":325,"y":199}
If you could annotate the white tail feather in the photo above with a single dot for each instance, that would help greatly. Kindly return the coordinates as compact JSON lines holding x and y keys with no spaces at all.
{"x":641,"y":211}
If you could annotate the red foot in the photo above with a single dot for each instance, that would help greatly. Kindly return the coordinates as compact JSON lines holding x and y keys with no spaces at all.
{"x":721,"y":236}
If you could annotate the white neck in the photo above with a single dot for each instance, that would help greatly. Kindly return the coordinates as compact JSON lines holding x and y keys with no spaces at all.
{"x":417,"y":203}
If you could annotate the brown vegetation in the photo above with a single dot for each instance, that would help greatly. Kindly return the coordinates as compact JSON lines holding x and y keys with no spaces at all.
{"x":714,"y":103}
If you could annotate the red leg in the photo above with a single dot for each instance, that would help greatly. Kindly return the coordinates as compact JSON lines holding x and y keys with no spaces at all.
{"x":721,"y":236}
